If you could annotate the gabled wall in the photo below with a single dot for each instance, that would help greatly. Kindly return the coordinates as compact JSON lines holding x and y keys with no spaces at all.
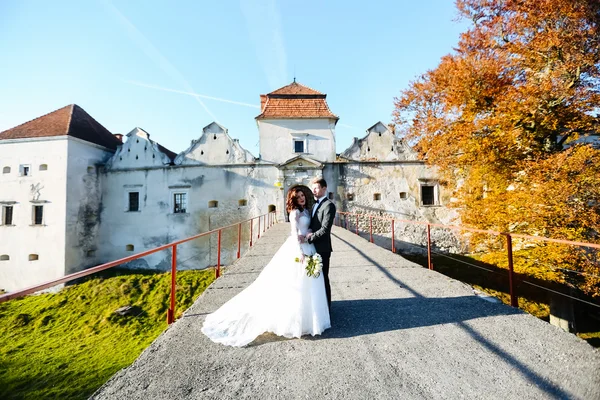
{"x":380,"y":144}
{"x":214,"y":147}
{"x":139,"y":151}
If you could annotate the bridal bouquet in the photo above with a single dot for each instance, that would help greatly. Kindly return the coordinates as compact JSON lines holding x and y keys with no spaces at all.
{"x":313,"y":265}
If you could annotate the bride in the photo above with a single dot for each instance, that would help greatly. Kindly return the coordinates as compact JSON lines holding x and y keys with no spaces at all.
{"x":283,"y":299}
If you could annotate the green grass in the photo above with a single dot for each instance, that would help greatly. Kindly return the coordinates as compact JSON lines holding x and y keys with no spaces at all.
{"x":66,"y":345}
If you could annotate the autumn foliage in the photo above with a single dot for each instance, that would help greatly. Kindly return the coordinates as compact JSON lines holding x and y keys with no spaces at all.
{"x":503,"y":117}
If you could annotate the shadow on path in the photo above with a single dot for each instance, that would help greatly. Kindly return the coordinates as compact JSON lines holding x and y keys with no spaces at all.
{"x":359,"y":317}
{"x":351,"y":318}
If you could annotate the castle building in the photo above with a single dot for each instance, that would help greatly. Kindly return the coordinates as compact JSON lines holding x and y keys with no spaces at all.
{"x":73,"y":195}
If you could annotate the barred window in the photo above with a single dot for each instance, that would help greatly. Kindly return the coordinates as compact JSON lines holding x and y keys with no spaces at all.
{"x":179,"y":203}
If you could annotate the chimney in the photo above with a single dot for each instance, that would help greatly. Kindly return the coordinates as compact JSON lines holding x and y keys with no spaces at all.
{"x":263,"y":100}
{"x":119,"y":136}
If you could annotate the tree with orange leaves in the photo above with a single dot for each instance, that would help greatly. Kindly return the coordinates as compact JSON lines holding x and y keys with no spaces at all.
{"x":501,"y":117}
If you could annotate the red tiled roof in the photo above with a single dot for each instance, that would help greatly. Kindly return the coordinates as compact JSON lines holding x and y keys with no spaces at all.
{"x":295,"y":88}
{"x":71,"y":120}
{"x":294,"y":101}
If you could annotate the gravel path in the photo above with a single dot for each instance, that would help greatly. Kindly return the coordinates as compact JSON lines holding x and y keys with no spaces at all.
{"x":399,"y":331}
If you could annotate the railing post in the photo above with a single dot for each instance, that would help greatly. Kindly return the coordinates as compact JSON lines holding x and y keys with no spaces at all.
{"x":429,"y":264}
{"x":393,"y":239}
{"x":171,"y":310}
{"x":239,"y":239}
{"x":218,"y":270}
{"x":264,"y":222}
{"x":371,"y":228}
{"x":357,"y":223}
{"x":514,"y":301}
{"x":251,"y":233}
{"x":258,"y":230}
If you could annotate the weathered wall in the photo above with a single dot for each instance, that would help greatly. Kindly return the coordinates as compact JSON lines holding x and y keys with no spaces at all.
{"x":46,"y":188}
{"x":362,"y":180}
{"x":84,"y":203}
{"x":380,"y":144}
{"x":276,"y":139}
{"x":155,"y":223}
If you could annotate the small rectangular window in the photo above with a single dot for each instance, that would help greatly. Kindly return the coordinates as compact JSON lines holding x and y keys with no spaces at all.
{"x":299,"y":146}
{"x":7,"y":215}
{"x":134,"y":201}
{"x":179,"y":203}
{"x":377,"y":196}
{"x":427,"y":195}
{"x":38,"y":215}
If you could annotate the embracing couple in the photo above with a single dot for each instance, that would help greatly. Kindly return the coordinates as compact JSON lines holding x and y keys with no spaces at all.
{"x":284,"y":299}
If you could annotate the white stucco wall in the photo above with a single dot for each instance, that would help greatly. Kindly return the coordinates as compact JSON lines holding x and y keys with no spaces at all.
{"x":380,"y":144}
{"x":276,"y":139}
{"x":46,"y":188}
{"x":155,"y":223}
{"x":389,"y":179}
{"x":138,"y":151}
{"x":83,"y":203}
{"x":214,"y":147}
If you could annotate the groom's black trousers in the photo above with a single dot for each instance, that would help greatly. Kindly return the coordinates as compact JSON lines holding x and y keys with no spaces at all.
{"x":326,"y":258}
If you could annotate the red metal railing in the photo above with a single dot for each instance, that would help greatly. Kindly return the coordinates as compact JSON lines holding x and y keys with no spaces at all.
{"x":508,"y":236}
{"x":172,"y":246}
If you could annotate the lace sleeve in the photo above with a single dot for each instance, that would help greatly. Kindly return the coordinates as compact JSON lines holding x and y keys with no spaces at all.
{"x":294,"y":214}
{"x":294,"y":217}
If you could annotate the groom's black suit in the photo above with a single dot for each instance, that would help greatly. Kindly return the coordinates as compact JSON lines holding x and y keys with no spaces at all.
{"x":320,"y":224}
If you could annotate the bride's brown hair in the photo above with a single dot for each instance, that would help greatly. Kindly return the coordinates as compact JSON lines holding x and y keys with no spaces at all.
{"x":291,"y":202}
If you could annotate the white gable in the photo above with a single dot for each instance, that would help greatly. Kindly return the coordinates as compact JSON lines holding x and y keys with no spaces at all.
{"x":380,"y":144}
{"x":215,"y":146}
{"x":139,"y":151}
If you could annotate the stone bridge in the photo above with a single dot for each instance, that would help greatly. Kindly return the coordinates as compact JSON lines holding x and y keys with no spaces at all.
{"x":398,"y":331}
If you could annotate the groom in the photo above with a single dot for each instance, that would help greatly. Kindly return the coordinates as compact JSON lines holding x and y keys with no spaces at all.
{"x":323,"y":214}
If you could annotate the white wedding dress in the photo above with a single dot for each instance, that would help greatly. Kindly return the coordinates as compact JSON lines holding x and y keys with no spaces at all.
{"x":282,"y":300}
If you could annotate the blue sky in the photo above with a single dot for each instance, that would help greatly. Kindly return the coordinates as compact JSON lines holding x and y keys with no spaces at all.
{"x":146,"y":63}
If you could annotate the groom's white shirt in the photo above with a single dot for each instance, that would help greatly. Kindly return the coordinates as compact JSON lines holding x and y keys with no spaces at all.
{"x":317,"y":205}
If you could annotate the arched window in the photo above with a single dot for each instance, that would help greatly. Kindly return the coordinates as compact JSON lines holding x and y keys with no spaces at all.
{"x":213,"y":204}
{"x":43,"y":167}
{"x":34,"y":257}
{"x":4,"y":257}
{"x":272,"y":208}
{"x":350,"y":196}
{"x":129,"y":247}
{"x":6,"y":170}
